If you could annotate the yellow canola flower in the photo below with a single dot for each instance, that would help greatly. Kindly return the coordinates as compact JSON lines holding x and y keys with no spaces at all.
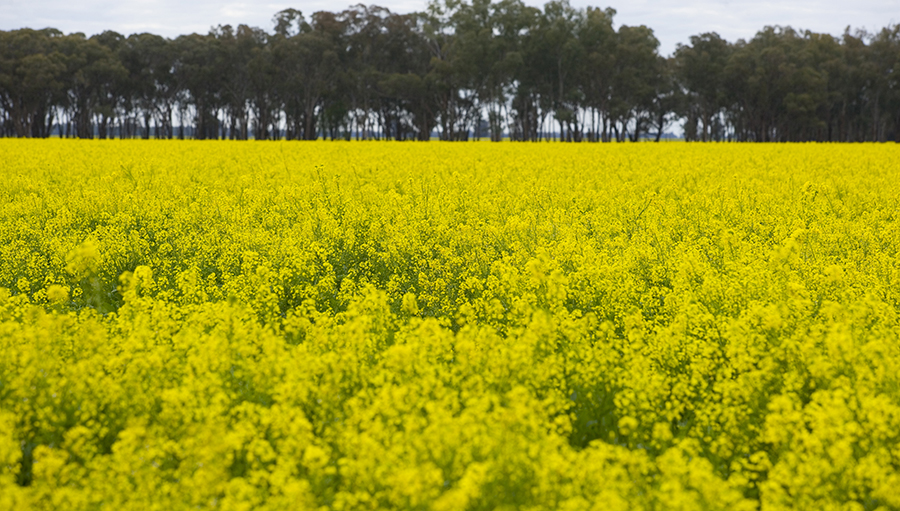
{"x":307,"y":325}
{"x":57,"y":293}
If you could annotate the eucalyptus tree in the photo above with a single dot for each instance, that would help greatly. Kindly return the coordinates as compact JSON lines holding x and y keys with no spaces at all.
{"x":385,"y":85}
{"x":151,"y":90}
{"x":474,"y":56}
{"x":668,"y":99}
{"x":92,"y":74}
{"x":199,"y":71}
{"x":637,"y":72}
{"x":776,"y":86}
{"x":409,"y":94}
{"x":256,"y":87}
{"x":111,"y":83}
{"x":858,"y":88}
{"x":455,"y":84}
{"x":32,"y":81}
{"x":239,"y":47}
{"x":307,"y":66}
{"x":886,"y":55}
{"x":365,"y":30}
{"x":700,"y":70}
{"x":599,"y":41}
{"x":826,"y":57}
{"x":559,"y":57}
{"x":334,"y":107}
{"x":518,"y":35}
{"x":510,"y":22}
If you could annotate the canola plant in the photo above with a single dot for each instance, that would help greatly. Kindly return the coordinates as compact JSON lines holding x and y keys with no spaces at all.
{"x":472,"y":326}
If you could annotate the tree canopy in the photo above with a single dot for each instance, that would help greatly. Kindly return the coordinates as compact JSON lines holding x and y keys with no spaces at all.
{"x":460,"y":69}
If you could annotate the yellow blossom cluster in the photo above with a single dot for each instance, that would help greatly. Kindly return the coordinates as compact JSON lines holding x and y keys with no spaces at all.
{"x":472,"y":326}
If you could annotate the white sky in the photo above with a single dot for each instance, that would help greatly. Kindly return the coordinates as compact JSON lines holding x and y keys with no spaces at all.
{"x":673,"y":21}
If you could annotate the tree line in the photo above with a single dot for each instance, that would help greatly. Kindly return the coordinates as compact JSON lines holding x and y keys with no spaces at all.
{"x":460,"y":69}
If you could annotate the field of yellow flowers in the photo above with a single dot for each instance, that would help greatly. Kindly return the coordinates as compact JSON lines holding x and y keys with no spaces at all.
{"x":472,"y":326}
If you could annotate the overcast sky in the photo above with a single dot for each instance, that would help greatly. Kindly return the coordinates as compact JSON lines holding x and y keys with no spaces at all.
{"x":673,"y":21}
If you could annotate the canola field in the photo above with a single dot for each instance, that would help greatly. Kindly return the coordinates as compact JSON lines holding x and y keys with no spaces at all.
{"x":471,"y":326}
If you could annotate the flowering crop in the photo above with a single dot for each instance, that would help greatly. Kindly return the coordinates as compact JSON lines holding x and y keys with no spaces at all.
{"x":448,"y":326}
